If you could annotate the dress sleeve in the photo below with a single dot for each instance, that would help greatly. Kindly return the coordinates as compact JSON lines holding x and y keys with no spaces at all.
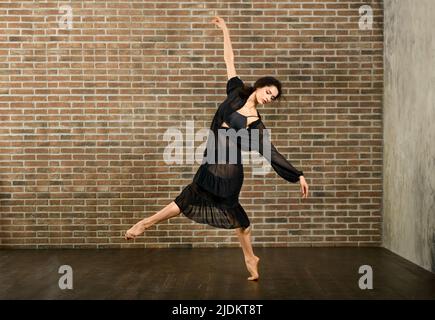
{"x":233,"y":83}
{"x":281,"y":166}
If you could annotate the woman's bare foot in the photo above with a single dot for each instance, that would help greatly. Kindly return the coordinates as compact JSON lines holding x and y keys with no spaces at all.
{"x":252,"y":265}
{"x":136,"y":230}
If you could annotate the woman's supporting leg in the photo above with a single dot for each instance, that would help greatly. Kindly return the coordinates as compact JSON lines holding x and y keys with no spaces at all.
{"x":251,"y":260}
{"x":171,"y":210}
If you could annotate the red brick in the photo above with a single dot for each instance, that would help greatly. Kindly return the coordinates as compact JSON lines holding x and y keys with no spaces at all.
{"x":83,"y":112}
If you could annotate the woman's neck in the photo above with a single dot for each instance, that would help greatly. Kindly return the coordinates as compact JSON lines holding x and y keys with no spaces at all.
{"x":252,"y":102}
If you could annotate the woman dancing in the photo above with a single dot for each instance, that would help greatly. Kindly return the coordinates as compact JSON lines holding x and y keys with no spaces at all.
{"x":213,"y":196}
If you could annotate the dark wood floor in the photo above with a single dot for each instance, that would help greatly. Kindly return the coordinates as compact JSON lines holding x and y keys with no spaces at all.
{"x":286,"y":273}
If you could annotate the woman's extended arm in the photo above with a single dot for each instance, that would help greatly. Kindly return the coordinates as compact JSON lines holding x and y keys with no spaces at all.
{"x":260,"y":140}
{"x":228,"y":49}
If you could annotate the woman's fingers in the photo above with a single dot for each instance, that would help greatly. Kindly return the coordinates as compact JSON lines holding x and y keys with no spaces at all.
{"x":218,"y":21}
{"x":304,"y":190}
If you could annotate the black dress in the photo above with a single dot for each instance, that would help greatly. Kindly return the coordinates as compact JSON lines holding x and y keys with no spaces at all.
{"x":213,"y":196}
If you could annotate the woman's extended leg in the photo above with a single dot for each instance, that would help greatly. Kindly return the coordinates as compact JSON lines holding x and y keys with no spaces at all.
{"x":171,"y":210}
{"x":251,"y":260}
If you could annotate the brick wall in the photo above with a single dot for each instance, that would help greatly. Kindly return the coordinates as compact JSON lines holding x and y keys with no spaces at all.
{"x":83,"y":112}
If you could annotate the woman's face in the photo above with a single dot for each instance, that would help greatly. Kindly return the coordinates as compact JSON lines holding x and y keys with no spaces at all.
{"x":266,"y":94}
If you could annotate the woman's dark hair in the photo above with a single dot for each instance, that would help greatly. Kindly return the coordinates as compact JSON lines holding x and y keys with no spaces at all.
{"x":246,"y":90}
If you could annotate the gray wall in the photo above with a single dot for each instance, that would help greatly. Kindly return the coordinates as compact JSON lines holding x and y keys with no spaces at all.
{"x":409,"y":130}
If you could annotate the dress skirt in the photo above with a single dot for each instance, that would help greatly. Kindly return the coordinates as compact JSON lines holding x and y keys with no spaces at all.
{"x":204,"y":207}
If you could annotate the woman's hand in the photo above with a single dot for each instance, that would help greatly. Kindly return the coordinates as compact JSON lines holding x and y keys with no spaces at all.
{"x":304,"y":187}
{"x":219,"y":22}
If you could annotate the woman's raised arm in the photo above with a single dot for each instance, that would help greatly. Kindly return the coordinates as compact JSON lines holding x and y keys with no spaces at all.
{"x":228,"y":49}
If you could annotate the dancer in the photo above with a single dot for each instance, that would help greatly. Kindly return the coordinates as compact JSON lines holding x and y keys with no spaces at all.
{"x":213,"y":196}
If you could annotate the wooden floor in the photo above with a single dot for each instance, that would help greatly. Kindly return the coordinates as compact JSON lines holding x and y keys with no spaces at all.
{"x":285,"y":273}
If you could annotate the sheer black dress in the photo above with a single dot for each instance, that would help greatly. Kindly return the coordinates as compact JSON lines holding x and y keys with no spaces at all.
{"x":213,"y":196}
